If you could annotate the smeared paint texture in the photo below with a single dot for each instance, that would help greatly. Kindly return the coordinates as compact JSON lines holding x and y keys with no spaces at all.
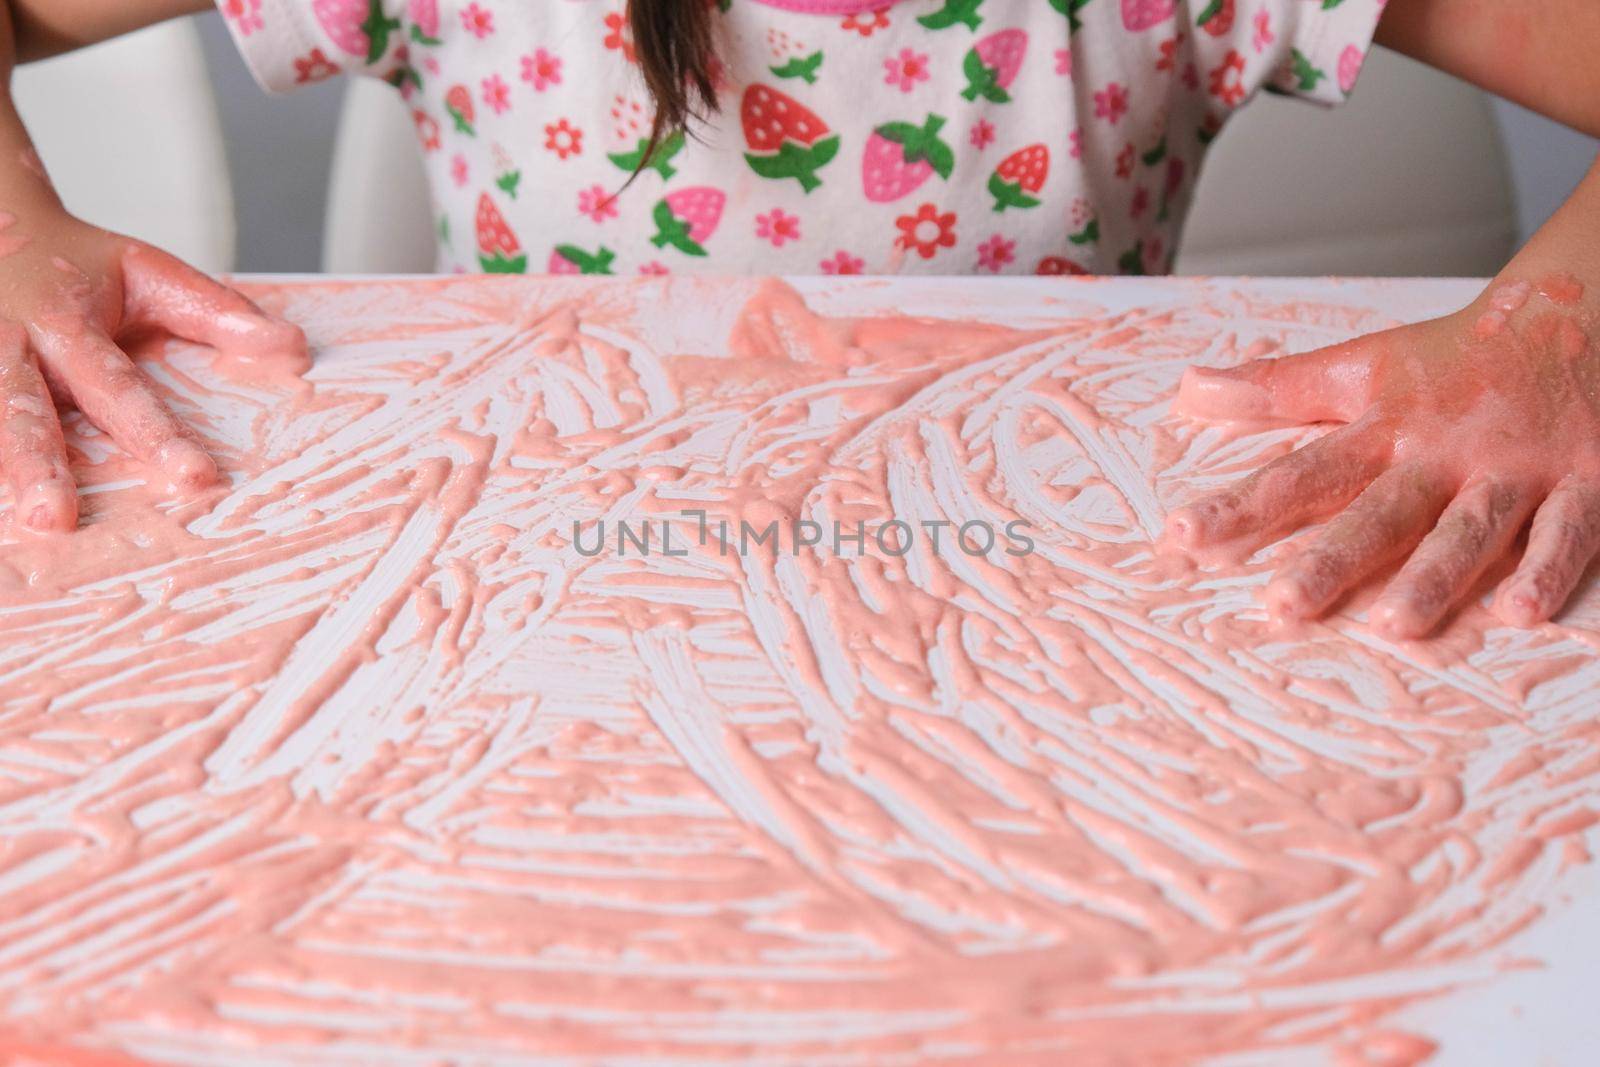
{"x":359,"y":760}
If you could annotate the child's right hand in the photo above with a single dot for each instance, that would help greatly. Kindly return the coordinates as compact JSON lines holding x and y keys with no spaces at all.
{"x":68,"y":292}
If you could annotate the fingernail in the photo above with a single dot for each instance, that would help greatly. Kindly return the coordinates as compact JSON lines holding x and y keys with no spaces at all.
{"x":1286,"y":598}
{"x":1396,"y":621}
{"x":1520,"y":608}
{"x":186,"y":465}
{"x":1221,"y":394}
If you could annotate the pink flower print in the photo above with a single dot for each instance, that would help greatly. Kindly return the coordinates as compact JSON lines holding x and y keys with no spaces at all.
{"x":1264,"y":35}
{"x":653,"y":267}
{"x":866,"y":23}
{"x":313,"y":67}
{"x":246,"y":14}
{"x":596,"y":203}
{"x":1064,"y":62}
{"x":777,"y":227}
{"x":1111,"y":103}
{"x":1075,"y":144}
{"x":843,"y":262}
{"x":496,"y":94}
{"x":431,"y":65}
{"x":982,"y":135}
{"x":1125,"y":162}
{"x":459,"y":169}
{"x":427,"y":130}
{"x":541,"y":70}
{"x":906,"y":69}
{"x":477,"y":21}
{"x":995,"y":253}
{"x":1227,"y":81}
{"x":1140,"y":203}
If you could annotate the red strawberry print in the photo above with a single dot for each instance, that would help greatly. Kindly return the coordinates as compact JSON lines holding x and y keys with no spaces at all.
{"x":1140,"y":15}
{"x":570,"y":259}
{"x":458,"y":102}
{"x":1020,"y":174}
{"x":1058,"y":265}
{"x":900,"y":157}
{"x":499,"y":251}
{"x":359,"y":27}
{"x":687,"y":218}
{"x":425,"y":21}
{"x":991,"y":65}
{"x":1217,"y":18}
{"x":786,"y":139}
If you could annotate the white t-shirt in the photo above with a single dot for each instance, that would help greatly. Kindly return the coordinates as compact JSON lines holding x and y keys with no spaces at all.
{"x":855,"y":136}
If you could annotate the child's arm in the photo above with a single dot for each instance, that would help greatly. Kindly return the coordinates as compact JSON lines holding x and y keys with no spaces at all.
{"x":69,"y":290}
{"x":1538,"y":53}
{"x":1459,"y":428}
{"x":43,"y":28}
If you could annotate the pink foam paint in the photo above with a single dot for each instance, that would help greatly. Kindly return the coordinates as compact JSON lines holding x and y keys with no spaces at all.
{"x":356,"y":756}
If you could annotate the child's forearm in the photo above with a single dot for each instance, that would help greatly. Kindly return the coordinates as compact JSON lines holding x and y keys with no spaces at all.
{"x":1537,"y":53}
{"x":42,"y":28}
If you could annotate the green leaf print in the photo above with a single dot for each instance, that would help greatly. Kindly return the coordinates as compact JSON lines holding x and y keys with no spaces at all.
{"x":377,"y":28}
{"x":500,"y":264}
{"x":1070,"y":8}
{"x":921,"y":143}
{"x":421,"y":38}
{"x":597,"y":263}
{"x":954,"y":12}
{"x":659,"y":161}
{"x":802,"y":67}
{"x":982,"y":80}
{"x":1156,"y":154}
{"x":1132,"y":261}
{"x":509,"y":181}
{"x":1090,"y":233}
{"x":1306,"y":76}
{"x":797,"y":161}
{"x":671,"y":230}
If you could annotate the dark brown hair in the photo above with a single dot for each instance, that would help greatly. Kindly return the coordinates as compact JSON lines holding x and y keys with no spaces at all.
{"x":676,"y":49}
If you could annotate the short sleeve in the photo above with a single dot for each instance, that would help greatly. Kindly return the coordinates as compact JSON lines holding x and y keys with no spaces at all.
{"x":1308,"y":48}
{"x":290,"y":43}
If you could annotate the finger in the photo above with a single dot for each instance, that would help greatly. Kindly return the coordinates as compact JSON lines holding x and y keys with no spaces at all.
{"x":164,"y":291}
{"x":1561,"y":543}
{"x":1383,"y":523}
{"x":1332,"y":384}
{"x":116,"y":396}
{"x":33,"y":456}
{"x":1320,"y":477}
{"x":1475,"y":530}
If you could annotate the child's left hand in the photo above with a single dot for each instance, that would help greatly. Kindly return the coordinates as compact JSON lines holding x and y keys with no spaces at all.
{"x":1458,"y":429}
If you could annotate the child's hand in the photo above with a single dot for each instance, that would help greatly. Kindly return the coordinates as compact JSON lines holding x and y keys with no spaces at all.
{"x":68,"y":292}
{"x":1458,"y":430}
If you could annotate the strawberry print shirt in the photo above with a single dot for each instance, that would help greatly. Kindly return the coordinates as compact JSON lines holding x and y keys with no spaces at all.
{"x":854,"y":136}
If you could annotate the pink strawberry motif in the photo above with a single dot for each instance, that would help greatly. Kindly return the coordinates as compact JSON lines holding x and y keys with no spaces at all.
{"x":687,"y":218}
{"x":1350,"y":61}
{"x":458,"y":102}
{"x":991,"y":65}
{"x":1018,"y":176}
{"x":900,"y":157}
{"x":786,"y":138}
{"x":359,"y":27}
{"x":570,"y":259}
{"x":424,"y":21}
{"x":1140,"y":15}
{"x":499,"y":251}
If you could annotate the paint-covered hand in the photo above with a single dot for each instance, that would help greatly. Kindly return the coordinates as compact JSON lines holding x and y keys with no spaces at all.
{"x":1458,"y":430}
{"x":69,"y":292}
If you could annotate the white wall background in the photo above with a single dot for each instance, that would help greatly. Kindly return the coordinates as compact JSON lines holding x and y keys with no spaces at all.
{"x":279,"y":150}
